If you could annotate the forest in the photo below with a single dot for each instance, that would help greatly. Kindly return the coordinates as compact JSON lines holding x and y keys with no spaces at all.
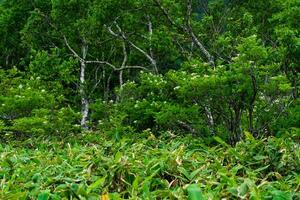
{"x":149,"y":99}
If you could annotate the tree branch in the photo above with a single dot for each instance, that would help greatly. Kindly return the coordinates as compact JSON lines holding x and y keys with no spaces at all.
{"x":114,"y":67}
{"x":187,"y":126}
{"x":187,"y":28}
{"x":123,"y":37}
{"x":166,"y":14}
{"x":72,"y":50}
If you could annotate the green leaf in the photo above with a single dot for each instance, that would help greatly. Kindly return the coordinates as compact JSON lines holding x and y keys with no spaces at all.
{"x":118,"y":156}
{"x":17,"y":196}
{"x":184,"y":172}
{"x":36,"y":177}
{"x":74,"y":187}
{"x":243,"y":189}
{"x":261,"y":168}
{"x":249,"y":136}
{"x":135,"y":184}
{"x":146,"y":189}
{"x":44,"y":195}
{"x":194,"y":173}
{"x":219,"y":140}
{"x":280,"y":195}
{"x":96,"y":184}
{"x":62,"y":187}
{"x":194,"y":192}
{"x":260,"y":157}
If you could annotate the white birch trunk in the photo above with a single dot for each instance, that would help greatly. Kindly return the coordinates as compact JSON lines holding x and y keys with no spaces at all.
{"x":210,"y":119}
{"x":84,"y":99}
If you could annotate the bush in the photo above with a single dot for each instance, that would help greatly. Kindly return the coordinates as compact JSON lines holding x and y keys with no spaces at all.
{"x":27,"y":107}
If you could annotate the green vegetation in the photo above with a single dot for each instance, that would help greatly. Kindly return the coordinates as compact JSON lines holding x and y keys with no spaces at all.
{"x":149,"y":167}
{"x":149,"y":99}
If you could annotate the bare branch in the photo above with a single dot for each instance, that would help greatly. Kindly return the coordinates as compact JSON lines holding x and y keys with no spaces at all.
{"x":125,"y":54}
{"x":84,"y":49}
{"x":193,"y":36}
{"x":167,"y":15}
{"x":153,"y":62}
{"x":123,"y":64}
{"x":133,"y":67}
{"x":101,"y":62}
{"x":187,"y":28}
{"x":114,"y":67}
{"x":72,"y":50}
{"x":122,"y":36}
{"x":111,"y":31}
{"x":187,"y":126}
{"x":150,"y":29}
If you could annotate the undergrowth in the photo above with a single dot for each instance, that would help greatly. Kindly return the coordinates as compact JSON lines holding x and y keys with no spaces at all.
{"x":94,"y":165}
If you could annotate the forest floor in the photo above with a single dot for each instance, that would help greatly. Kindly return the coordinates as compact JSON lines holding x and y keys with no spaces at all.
{"x":94,"y":165}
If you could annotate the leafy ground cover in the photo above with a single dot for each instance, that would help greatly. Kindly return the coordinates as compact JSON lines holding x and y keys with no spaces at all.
{"x":94,"y":166}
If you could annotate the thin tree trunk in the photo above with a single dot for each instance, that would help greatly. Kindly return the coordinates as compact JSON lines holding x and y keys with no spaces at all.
{"x":84,"y":99}
{"x":210,"y":119}
{"x":235,"y":128}
{"x":150,"y":29}
{"x":82,"y":87}
{"x":252,"y":103}
{"x":7,"y":60}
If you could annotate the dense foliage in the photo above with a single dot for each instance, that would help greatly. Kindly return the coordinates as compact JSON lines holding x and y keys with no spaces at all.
{"x":89,"y":166}
{"x":207,"y":71}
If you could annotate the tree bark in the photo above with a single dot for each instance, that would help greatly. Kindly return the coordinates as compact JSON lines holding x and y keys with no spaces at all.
{"x":82,"y":92}
{"x":210,"y":119}
{"x":84,"y":99}
{"x":252,"y":102}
